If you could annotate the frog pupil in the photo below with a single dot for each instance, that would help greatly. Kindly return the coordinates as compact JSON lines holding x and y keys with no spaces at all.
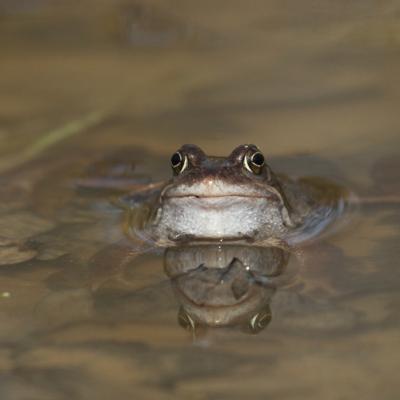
{"x":257,"y":159}
{"x":176,"y":159}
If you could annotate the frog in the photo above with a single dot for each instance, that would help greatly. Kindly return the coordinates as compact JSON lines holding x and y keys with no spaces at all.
{"x":237,"y":198}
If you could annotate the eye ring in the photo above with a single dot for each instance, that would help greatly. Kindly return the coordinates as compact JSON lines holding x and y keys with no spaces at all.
{"x":254,"y":162}
{"x":179,"y":162}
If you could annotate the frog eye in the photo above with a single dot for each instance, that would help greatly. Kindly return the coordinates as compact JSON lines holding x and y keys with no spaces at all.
{"x":254,"y":162}
{"x":179,"y":162}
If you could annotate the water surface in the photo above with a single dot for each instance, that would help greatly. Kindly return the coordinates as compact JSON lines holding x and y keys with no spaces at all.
{"x":315,"y":86}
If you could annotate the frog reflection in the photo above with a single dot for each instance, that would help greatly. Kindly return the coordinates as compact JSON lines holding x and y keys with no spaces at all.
{"x":220,"y":286}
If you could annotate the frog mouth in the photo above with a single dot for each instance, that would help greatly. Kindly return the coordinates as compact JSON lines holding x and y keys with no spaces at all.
{"x":220,"y":189}
{"x":222,"y":196}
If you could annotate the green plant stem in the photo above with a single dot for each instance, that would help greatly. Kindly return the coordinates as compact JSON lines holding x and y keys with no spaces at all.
{"x":51,"y":138}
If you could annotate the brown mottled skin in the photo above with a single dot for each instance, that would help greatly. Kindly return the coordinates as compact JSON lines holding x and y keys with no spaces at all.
{"x":289,"y":210}
{"x":229,"y":169}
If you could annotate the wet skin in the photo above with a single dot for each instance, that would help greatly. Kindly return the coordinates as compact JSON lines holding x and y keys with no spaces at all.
{"x":237,"y":198}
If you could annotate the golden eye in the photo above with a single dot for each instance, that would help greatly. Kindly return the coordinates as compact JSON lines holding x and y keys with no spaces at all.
{"x":257,"y":159}
{"x":178,"y":162}
{"x":254,"y":162}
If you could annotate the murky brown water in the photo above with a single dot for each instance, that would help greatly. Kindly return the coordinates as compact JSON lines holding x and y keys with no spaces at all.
{"x":315,"y":85}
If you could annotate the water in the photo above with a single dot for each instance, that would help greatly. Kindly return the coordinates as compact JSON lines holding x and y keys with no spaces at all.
{"x":315,"y":86}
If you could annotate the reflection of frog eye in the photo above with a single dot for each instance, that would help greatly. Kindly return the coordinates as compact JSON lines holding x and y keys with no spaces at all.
{"x":185,"y":320}
{"x":178,"y":162}
{"x":259,"y":321}
{"x":254,"y":162}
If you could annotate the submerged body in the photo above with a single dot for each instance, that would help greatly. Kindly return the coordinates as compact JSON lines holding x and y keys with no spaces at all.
{"x":238,"y":198}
